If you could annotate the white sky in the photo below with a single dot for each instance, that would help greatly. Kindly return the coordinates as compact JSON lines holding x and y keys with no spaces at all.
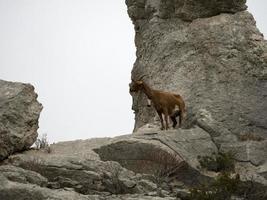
{"x":78,"y":54}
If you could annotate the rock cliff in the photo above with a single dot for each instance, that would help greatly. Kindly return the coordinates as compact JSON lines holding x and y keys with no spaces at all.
{"x":211,"y":53}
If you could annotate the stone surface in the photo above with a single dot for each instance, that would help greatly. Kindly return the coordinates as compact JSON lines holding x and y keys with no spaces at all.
{"x":184,"y":9}
{"x":19,"y":114}
{"x":20,"y":175}
{"x":218,"y":63}
{"x":10,"y":190}
{"x":158,"y":153}
{"x":75,"y":165}
{"x":248,"y":151}
{"x":127,"y":167}
{"x":186,"y":144}
{"x":16,"y":190}
{"x":110,"y":165}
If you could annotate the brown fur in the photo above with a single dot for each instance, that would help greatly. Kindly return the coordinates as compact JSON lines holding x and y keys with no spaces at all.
{"x":164,"y":103}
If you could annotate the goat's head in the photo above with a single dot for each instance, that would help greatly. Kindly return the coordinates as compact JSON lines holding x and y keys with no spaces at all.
{"x":136,"y":86}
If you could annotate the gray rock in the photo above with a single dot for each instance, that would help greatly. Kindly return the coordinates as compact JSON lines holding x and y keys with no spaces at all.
{"x":155,"y":153}
{"x":250,"y":172}
{"x":254,"y":152}
{"x":20,"y":175}
{"x":183,"y":9}
{"x":19,"y":114}
{"x":217,"y":63}
{"x":187,"y":144}
{"x":10,"y":190}
{"x":80,"y":169}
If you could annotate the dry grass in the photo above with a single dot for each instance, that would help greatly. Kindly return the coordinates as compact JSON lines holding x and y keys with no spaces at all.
{"x":250,"y":137}
{"x":34,"y":164}
{"x":42,"y":143}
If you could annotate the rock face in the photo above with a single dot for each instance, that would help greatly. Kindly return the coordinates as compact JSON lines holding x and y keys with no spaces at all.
{"x":159,"y":165}
{"x":19,"y":114}
{"x":128,"y":151}
{"x":75,"y":170}
{"x":187,"y":10}
{"x":211,"y":53}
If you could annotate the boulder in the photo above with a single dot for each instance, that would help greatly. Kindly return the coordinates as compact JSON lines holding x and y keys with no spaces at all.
{"x":186,"y":144}
{"x":19,"y":114}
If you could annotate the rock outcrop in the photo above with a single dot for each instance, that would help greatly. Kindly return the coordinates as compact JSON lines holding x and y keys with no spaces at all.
{"x":19,"y":114}
{"x":105,"y":168}
{"x":142,"y":166}
{"x":186,"y":10}
{"x":130,"y":150}
{"x":211,"y":53}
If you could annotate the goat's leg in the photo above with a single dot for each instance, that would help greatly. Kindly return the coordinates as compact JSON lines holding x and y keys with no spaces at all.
{"x":174,"y":121}
{"x":161,"y":120}
{"x":173,"y":117}
{"x":181,"y":118}
{"x":166,"y":118}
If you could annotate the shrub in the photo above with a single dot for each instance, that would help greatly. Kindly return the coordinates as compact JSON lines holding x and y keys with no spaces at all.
{"x":226,"y":186}
{"x":42,"y":143}
{"x":112,"y":180}
{"x":34,"y":164}
{"x":221,"y":189}
{"x":221,"y":162}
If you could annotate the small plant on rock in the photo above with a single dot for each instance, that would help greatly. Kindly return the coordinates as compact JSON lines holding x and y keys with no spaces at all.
{"x":222,"y":188}
{"x":218,"y":162}
{"x":34,"y":164}
{"x":112,"y":178}
{"x":166,"y":165}
{"x":42,"y":143}
{"x":226,"y":186}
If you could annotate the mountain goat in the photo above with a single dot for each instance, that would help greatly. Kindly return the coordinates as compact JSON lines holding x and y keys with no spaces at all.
{"x":163,"y":102}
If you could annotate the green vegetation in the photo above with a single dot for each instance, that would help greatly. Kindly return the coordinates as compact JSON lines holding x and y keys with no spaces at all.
{"x":227,"y":184}
{"x":222,"y":162}
{"x":221,"y":189}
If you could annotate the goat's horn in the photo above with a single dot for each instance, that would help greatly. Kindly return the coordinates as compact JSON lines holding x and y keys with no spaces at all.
{"x":142,"y":77}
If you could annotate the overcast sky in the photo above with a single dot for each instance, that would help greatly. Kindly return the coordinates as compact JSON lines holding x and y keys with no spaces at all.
{"x":78,"y":54}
